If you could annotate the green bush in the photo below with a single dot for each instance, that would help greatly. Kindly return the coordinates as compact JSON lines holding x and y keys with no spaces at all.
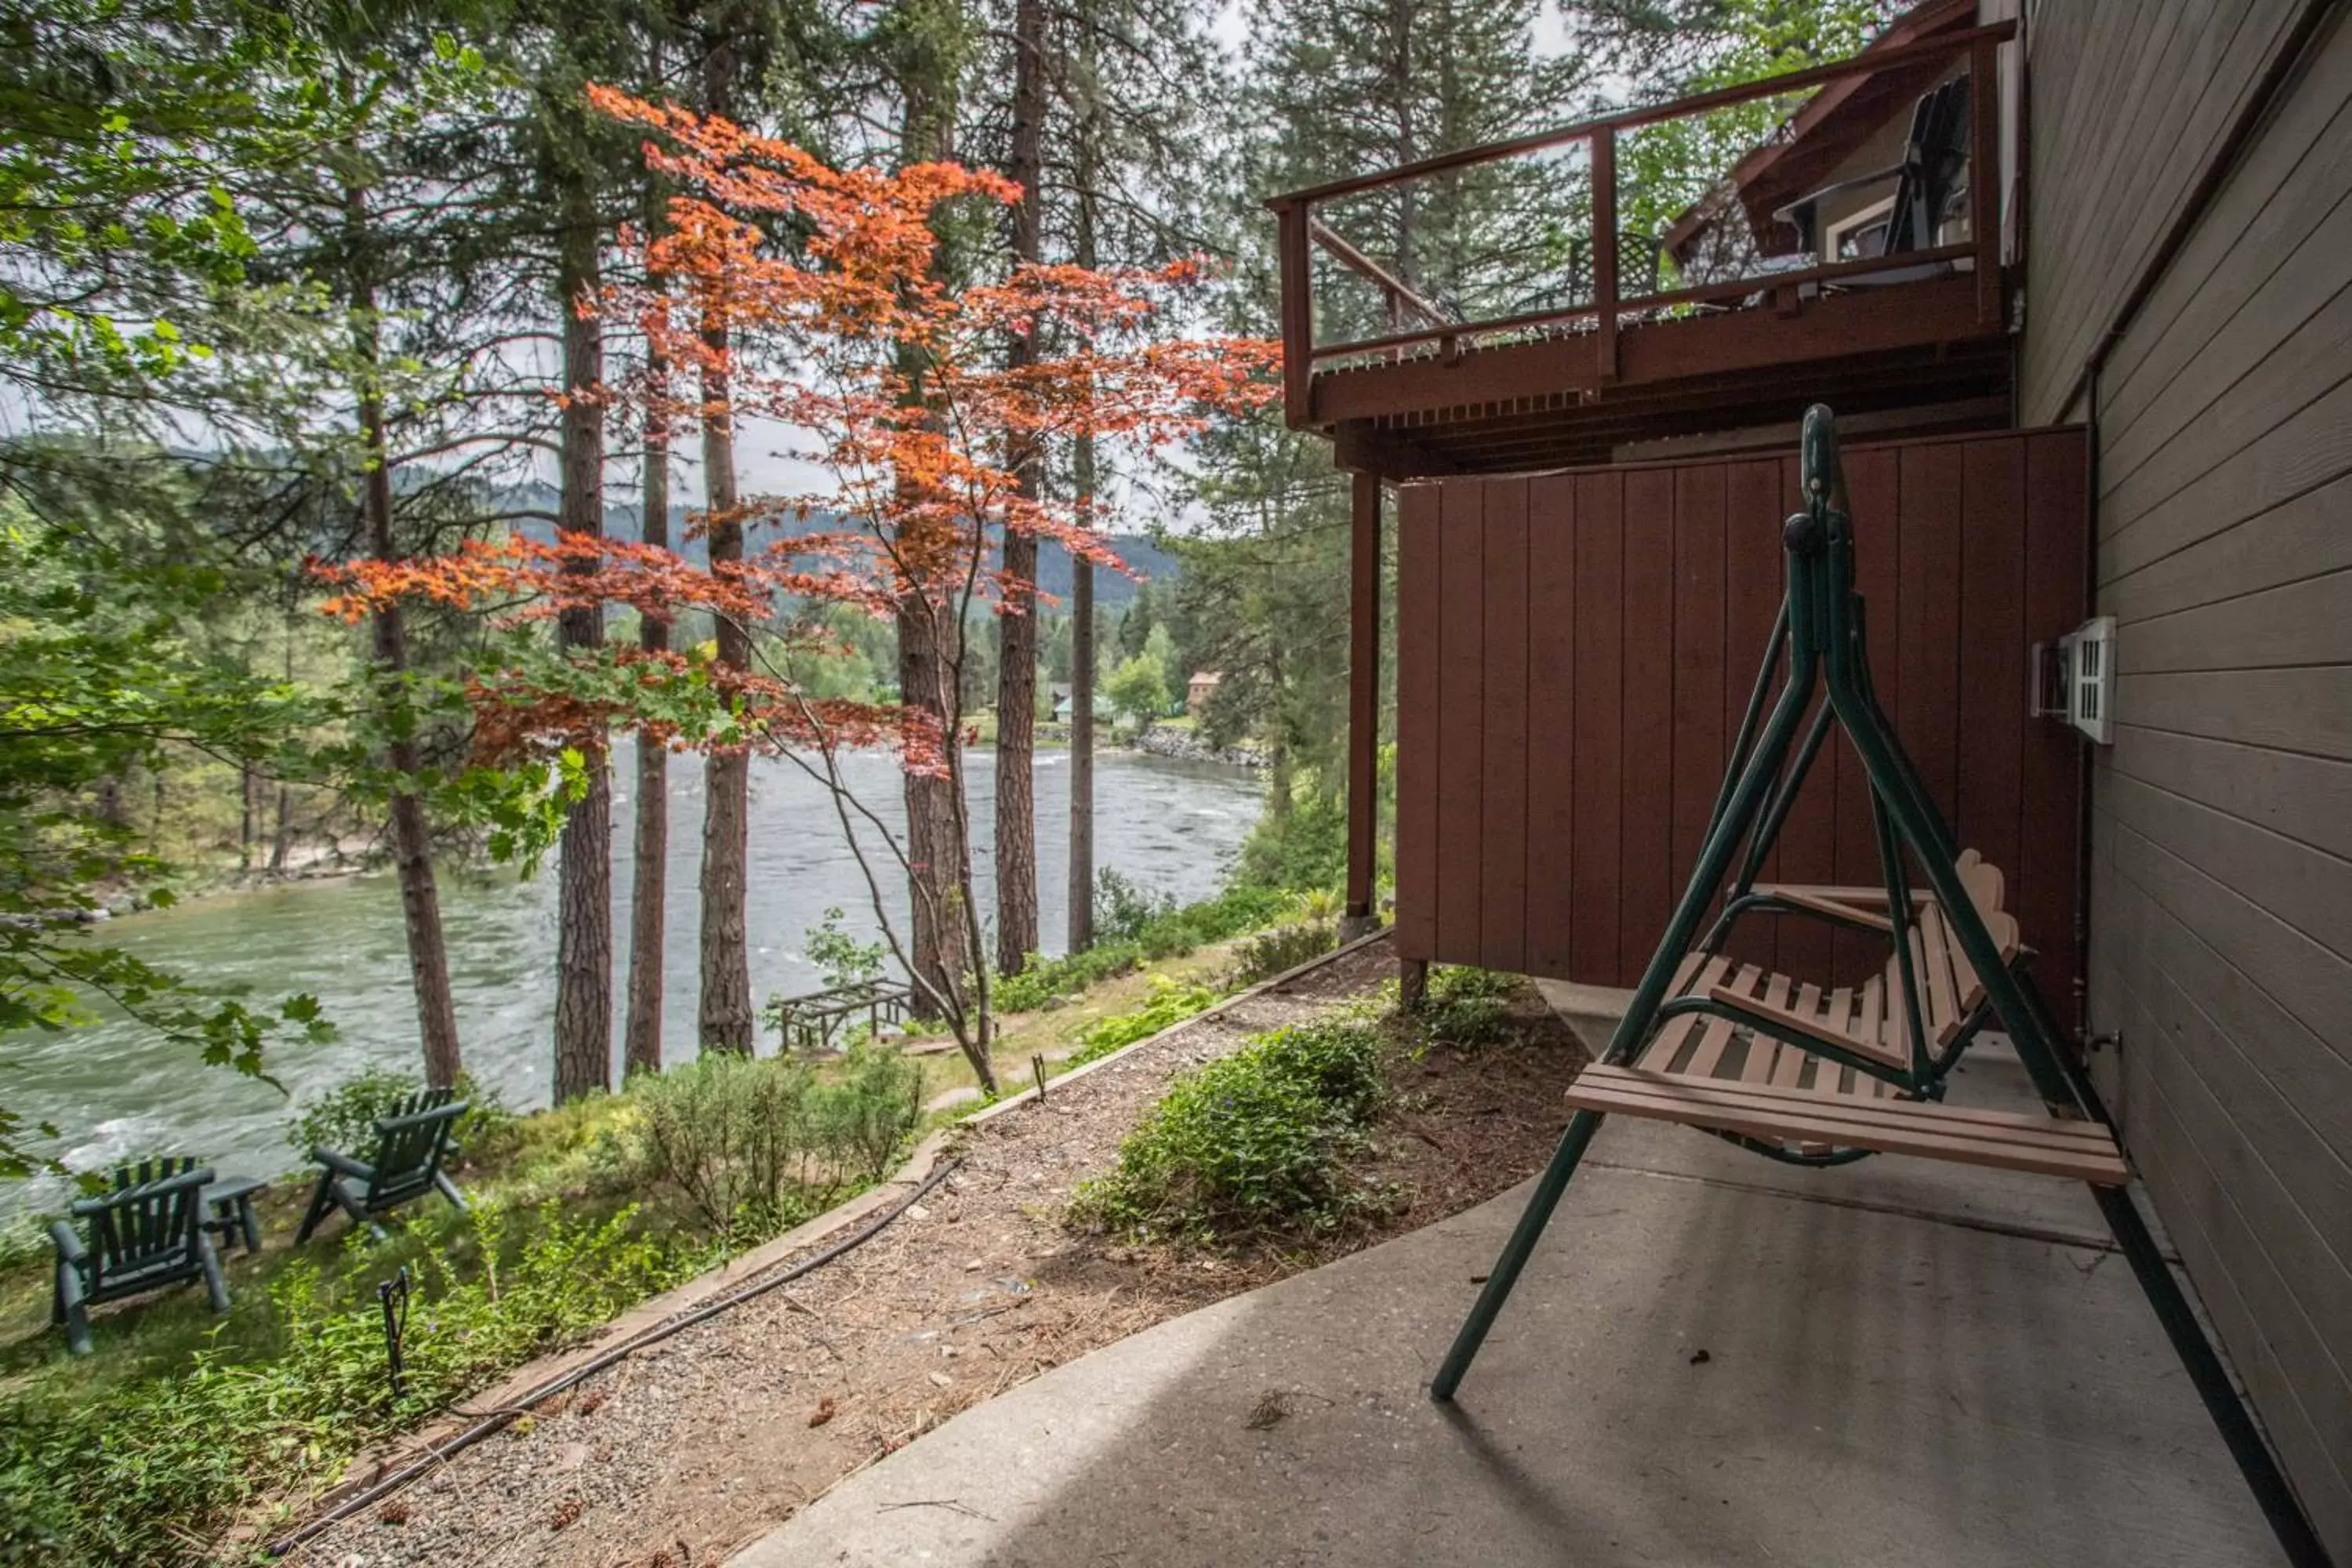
{"x":1167,"y":1004}
{"x":1250,"y":1144}
{"x":1122,"y":907}
{"x":1467,"y":1006}
{"x":754,"y":1143}
{"x":865,"y":1117}
{"x":143,"y":1471}
{"x":1305,"y":847}
{"x":732,"y":1132}
{"x":1268,"y":953}
{"x":1042,"y":979}
{"x":344,"y":1117}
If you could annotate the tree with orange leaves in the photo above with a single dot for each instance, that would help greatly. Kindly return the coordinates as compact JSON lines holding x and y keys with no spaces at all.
{"x":813,"y":297}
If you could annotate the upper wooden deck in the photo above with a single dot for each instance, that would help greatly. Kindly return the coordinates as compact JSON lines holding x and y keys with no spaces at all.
{"x":1550,"y":349}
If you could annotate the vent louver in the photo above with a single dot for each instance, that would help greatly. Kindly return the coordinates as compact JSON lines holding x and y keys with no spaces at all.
{"x":2090,"y":661}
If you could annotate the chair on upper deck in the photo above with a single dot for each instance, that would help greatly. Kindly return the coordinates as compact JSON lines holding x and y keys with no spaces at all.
{"x":1930,"y":184}
{"x":410,"y":1146}
{"x":145,"y":1234}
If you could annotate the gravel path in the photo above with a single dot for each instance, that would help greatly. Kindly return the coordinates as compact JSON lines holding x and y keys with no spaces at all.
{"x":697,"y":1444}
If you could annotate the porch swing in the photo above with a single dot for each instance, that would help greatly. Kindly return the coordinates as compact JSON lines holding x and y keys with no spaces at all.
{"x":1822,"y":1076}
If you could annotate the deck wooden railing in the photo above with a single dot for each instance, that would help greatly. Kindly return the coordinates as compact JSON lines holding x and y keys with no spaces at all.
{"x":1300,"y":230}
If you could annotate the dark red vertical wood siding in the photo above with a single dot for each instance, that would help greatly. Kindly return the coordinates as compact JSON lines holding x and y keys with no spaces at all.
{"x":1575,"y":652}
{"x":1596,"y":759}
{"x":1419,"y":562}
{"x":1551,"y":708}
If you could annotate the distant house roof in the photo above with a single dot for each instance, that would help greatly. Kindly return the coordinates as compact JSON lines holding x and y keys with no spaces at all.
{"x":1837,"y":119}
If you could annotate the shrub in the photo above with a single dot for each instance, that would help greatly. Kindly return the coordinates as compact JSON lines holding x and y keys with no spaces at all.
{"x":1042,"y":979}
{"x":1249,"y":1144}
{"x":344,"y":1117}
{"x":1270,"y":953}
{"x":1467,"y":1006}
{"x":732,"y":1132}
{"x":1305,"y":847}
{"x":1122,"y":907}
{"x":863,"y":1117}
{"x":841,"y":958}
{"x":753,"y":1142}
{"x":1169,"y":1004}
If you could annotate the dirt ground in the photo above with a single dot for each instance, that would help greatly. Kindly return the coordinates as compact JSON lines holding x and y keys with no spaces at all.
{"x":701,"y":1442}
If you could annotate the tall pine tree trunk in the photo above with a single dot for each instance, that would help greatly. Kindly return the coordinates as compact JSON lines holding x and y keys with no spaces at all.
{"x":1082,"y":588}
{"x":249,"y":814}
{"x":641,"y":1048}
{"x":412,"y":846}
{"x":1016,"y":681}
{"x":935,"y":848}
{"x":1082,"y":720}
{"x":725,"y":1015}
{"x":929,"y":630}
{"x":583,"y":942}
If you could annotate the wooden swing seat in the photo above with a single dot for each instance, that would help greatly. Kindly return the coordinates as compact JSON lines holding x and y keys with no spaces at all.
{"x":1711,"y":1072}
{"x":1867,"y":1020}
{"x":2083,"y":1151}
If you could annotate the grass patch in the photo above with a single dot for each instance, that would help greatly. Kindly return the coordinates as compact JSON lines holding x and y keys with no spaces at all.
{"x":1135,"y":930}
{"x":183,"y":1421}
{"x":1248,"y":1146}
{"x":1168,"y":1003}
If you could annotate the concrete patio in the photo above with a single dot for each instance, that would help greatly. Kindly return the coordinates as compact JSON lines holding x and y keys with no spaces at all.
{"x":1712,"y":1359}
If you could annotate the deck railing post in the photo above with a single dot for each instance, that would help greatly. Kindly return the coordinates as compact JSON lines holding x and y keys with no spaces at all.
{"x":1984,"y":175}
{"x":1604,"y":248}
{"x":1298,"y":313}
{"x":1363,"y":703}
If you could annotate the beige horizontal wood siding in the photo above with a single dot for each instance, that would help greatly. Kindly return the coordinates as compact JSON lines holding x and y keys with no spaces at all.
{"x":2221,"y":843}
{"x":2127,"y":99}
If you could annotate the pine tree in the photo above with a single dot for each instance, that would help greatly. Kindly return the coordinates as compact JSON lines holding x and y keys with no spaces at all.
{"x":924,"y":45}
{"x":1340,"y":88}
{"x":1137,"y":87}
{"x":1016,"y":688}
{"x":727,"y":1021}
{"x":582,"y":180}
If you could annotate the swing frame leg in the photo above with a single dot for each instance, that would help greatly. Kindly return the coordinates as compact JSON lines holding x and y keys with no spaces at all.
{"x":1516,"y":1253}
{"x":2204,"y":1363}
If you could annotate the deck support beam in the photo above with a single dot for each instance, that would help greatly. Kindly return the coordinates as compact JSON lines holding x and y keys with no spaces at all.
{"x":1364,"y":704}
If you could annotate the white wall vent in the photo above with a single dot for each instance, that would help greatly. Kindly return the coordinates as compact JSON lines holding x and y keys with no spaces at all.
{"x":2089,"y":657}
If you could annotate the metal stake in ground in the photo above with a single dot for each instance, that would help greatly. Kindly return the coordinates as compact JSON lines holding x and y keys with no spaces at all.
{"x":393,"y":1297}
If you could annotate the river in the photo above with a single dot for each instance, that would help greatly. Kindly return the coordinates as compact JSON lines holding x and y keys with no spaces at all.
{"x":115,"y":1089}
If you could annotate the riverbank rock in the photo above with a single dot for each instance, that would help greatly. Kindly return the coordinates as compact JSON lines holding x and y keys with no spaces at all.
{"x":1184,"y":744}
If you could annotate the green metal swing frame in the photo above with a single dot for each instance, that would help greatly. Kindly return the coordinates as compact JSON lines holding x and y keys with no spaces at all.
{"x":1819,"y":637}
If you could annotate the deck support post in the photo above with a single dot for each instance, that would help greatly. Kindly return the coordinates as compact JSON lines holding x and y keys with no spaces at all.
{"x":1604,"y":251}
{"x":1984,"y":175}
{"x":1364,"y":706}
{"x":1291,"y":220}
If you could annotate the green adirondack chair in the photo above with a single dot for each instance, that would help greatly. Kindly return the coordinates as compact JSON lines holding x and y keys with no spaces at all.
{"x":410,"y":1146}
{"x":145,"y":1234}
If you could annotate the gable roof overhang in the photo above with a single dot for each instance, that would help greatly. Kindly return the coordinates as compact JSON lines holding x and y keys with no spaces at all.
{"x":1824,"y":133}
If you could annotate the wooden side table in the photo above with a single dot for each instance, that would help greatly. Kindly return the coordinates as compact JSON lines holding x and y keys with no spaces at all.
{"x":230,"y":1201}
